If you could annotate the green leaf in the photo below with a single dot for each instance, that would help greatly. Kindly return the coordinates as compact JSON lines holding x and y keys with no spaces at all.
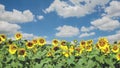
{"x":90,"y":64}
{"x":21,"y":58}
{"x":38,"y":65}
{"x":100,"y":59}
{"x":71,"y":60}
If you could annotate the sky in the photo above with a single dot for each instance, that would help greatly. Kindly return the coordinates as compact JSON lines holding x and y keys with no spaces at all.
{"x":61,"y":19}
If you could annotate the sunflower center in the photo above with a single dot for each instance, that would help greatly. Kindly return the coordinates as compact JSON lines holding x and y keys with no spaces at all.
{"x":18,"y":35}
{"x":14,"y":48}
{"x":55,"y":41}
{"x":89,"y":42}
{"x":35,"y":41}
{"x":115,"y":48}
{"x":30,"y":44}
{"x":63,"y":43}
{"x":56,"y":48}
{"x":102,"y":43}
{"x":83,"y":43}
{"x":77,"y":49}
{"x":119,"y":55}
{"x":3,"y":36}
{"x":41,"y":41}
{"x":0,"y":39}
{"x":106,"y":50}
{"x":88,"y":47}
{"x":22,"y":52}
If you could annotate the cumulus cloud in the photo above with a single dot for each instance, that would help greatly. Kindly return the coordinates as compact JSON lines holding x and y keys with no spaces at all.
{"x":87,"y":29}
{"x":86,"y":34}
{"x":8,"y":28}
{"x":113,"y":9}
{"x":15,"y":16}
{"x":40,"y":17}
{"x":67,"y":31}
{"x":114,"y":37}
{"x":75,"y":8}
{"x":106,"y":24}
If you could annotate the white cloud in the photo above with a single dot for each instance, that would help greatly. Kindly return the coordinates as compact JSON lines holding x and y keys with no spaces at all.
{"x":28,"y":36}
{"x":2,"y":8}
{"x":15,"y":16}
{"x":114,"y":37}
{"x":67,"y":31}
{"x":113,"y":9}
{"x":8,"y":28}
{"x":31,"y":36}
{"x":86,"y":34}
{"x":40,"y":17}
{"x":106,"y":24}
{"x":87,"y":29}
{"x":74,"y":8}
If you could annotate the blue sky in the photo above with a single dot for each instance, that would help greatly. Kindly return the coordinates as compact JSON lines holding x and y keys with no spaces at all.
{"x":61,"y":19}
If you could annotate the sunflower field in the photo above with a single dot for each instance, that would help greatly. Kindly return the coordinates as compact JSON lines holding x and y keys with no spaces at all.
{"x":36,"y":53}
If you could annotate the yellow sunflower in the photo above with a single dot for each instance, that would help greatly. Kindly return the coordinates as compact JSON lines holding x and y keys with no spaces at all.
{"x":3,"y":37}
{"x":71,"y":49}
{"x":12,"y":49}
{"x":55,"y":42}
{"x":1,"y":40}
{"x":118,"y":56}
{"x":63,"y":43}
{"x":64,"y":48}
{"x":83,"y":44}
{"x":21,"y":52}
{"x":102,"y":43}
{"x":55,"y":48}
{"x":41,"y":41}
{"x":35,"y":42}
{"x":79,"y":50}
{"x":49,"y":54}
{"x":66,"y":54}
{"x":106,"y":50}
{"x":89,"y":42}
{"x":29,"y":45}
{"x":18,"y":36}
{"x":115,"y":48}
{"x":89,"y":48}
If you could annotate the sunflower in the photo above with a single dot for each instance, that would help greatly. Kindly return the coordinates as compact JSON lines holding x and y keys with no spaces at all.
{"x":118,"y":56}
{"x":115,"y":48}
{"x":1,"y":40}
{"x":71,"y":49}
{"x":3,"y":36}
{"x":83,"y":44}
{"x":89,"y":42}
{"x":64,"y":48}
{"x":88,"y":48}
{"x":63,"y":43}
{"x":66,"y":54}
{"x":49,"y":54}
{"x":41,"y":41}
{"x":55,"y":42}
{"x":29,"y":45}
{"x":21,"y":52}
{"x":55,"y":48}
{"x":79,"y":50}
{"x":18,"y":36}
{"x":35,"y":42}
{"x":102,"y":43}
{"x":106,"y":50}
{"x":12,"y":49}
{"x":97,"y":46}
